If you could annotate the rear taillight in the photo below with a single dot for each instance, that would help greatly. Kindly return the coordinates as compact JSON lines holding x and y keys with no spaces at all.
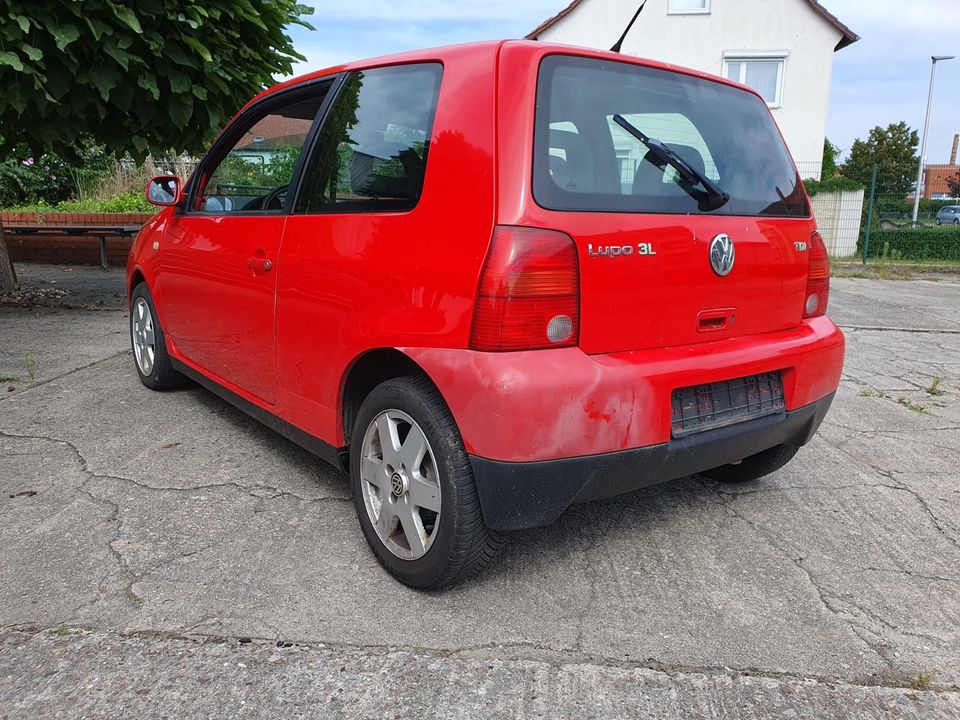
{"x":529,"y":295}
{"x":818,"y":278}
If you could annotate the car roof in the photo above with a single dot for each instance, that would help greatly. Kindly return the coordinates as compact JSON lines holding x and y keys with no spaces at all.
{"x":491,"y":47}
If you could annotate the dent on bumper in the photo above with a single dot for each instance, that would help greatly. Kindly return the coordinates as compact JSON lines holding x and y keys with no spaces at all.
{"x":549,"y":404}
{"x":515,"y":496}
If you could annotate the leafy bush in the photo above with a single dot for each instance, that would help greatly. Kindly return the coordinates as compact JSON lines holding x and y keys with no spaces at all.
{"x":134,"y":202}
{"x":25,"y":179}
{"x":915,"y":244}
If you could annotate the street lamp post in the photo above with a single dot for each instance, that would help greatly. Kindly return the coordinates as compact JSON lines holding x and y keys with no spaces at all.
{"x":926,"y":127}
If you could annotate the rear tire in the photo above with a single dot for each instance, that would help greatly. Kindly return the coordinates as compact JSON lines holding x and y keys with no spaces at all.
{"x":149,"y":344}
{"x":413,"y":487}
{"x":755,"y":466}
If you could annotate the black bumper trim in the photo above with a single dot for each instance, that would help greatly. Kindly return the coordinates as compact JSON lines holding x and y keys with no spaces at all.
{"x":515,"y":496}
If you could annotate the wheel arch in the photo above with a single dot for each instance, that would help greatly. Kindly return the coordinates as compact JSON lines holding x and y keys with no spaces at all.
{"x":365,"y":373}
{"x":136,"y":277}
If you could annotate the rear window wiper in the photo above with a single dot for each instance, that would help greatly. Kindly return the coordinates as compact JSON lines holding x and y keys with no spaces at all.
{"x":712,"y":197}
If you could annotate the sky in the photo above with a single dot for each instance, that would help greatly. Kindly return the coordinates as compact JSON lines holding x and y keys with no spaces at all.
{"x":882,"y":79}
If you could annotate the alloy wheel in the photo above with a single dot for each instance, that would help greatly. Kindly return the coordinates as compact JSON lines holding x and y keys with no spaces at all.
{"x":400,"y":484}
{"x":144,"y":348}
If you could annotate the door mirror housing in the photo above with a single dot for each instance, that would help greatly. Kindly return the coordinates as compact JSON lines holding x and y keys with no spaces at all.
{"x":164,"y":191}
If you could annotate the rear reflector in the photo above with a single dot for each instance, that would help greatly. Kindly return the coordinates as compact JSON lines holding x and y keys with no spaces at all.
{"x":818,"y":278}
{"x":529,"y":295}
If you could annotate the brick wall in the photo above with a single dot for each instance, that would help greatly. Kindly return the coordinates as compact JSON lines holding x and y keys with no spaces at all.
{"x":75,"y":250}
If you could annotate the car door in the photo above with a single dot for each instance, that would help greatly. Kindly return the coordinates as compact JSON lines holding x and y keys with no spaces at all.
{"x":219,"y":263}
{"x":353,"y":248}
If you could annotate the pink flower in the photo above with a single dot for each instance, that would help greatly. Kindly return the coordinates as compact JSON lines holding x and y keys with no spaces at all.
{"x":28,"y":162}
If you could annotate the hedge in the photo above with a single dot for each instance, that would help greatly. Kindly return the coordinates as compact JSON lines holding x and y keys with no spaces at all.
{"x":886,"y":204}
{"x":837,"y":183}
{"x":940,"y":243}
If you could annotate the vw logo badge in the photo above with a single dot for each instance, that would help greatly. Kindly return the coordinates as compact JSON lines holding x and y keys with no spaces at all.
{"x":722,"y":255}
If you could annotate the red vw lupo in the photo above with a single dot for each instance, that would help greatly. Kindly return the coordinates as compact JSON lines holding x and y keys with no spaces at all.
{"x":493,"y":280}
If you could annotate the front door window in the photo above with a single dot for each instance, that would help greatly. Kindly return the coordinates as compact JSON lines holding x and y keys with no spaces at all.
{"x":256,"y":172}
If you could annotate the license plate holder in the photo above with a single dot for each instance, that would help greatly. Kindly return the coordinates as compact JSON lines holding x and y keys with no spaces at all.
{"x":700,"y":408}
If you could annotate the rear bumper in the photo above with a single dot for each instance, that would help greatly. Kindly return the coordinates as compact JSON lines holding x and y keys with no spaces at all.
{"x":514,"y":496}
{"x":550,"y":404}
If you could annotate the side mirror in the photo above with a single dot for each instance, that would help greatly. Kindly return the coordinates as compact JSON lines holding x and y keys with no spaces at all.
{"x":164,"y":191}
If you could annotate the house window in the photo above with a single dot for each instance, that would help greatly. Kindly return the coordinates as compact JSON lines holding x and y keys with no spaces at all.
{"x":763,"y":74}
{"x":686,"y":7}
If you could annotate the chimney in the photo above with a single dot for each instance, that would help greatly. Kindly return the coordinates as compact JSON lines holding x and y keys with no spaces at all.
{"x":953,"y":153}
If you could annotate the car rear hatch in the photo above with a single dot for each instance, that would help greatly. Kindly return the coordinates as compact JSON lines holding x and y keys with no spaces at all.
{"x":624,"y":160}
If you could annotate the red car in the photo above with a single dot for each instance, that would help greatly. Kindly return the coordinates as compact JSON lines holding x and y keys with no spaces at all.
{"x":495,"y":279}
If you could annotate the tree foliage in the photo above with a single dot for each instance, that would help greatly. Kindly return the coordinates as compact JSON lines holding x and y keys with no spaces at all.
{"x":830,"y":154}
{"x":954,"y":184}
{"x":894,"y":150}
{"x":135,"y":75}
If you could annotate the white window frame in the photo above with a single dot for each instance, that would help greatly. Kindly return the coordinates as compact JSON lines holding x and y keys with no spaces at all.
{"x":705,"y":10}
{"x":779,"y":57}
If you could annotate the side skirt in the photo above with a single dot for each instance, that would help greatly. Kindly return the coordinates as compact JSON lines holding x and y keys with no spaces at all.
{"x":338,"y":457}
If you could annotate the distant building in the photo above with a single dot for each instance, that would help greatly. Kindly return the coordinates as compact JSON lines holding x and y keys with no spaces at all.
{"x":935,"y":176}
{"x":783,"y":49}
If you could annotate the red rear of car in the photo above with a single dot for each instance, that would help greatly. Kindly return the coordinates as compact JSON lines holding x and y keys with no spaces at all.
{"x":494,"y":280}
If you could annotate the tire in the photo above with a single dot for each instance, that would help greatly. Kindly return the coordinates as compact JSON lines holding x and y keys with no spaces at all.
{"x":755,"y":466}
{"x":149,"y":344}
{"x":416,"y":544}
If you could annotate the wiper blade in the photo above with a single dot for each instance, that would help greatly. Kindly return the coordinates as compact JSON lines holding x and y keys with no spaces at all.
{"x":712,"y":197}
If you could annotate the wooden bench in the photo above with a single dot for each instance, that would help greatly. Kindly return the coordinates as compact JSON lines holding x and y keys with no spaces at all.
{"x":99,"y":232}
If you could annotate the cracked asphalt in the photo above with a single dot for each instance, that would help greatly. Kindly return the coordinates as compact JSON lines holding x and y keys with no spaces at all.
{"x":163,"y":555}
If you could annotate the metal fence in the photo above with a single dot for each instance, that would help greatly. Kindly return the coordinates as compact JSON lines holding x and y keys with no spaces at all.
{"x":871,"y":218}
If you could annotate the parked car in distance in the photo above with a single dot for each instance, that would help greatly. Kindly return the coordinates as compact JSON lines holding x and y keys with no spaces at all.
{"x":492,"y":280}
{"x":948,"y":215}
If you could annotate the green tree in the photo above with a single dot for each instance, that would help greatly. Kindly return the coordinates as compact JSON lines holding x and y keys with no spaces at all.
{"x":133,"y":75}
{"x":894,"y":150}
{"x":830,"y":154}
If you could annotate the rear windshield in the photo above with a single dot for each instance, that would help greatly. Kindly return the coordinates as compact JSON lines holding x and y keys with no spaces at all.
{"x":585,"y":161}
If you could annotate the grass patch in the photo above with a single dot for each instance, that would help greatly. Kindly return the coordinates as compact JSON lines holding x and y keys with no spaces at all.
{"x":922,"y":681}
{"x":913,"y":407}
{"x":30,"y":363}
{"x":8,"y":379}
{"x":935,"y":388}
{"x":870,"y":392}
{"x":65,"y":632}
{"x":873,"y":272}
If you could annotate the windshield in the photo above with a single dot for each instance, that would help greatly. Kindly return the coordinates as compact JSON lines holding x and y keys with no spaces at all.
{"x":584,"y":160}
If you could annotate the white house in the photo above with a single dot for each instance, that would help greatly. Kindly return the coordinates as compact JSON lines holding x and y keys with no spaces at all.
{"x":782,"y":48}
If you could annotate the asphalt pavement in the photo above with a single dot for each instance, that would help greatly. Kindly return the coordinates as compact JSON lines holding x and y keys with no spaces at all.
{"x":163,"y":555}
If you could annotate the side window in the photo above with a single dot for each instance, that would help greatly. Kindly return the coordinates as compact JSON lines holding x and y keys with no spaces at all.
{"x":371,"y":154}
{"x":255,"y":173}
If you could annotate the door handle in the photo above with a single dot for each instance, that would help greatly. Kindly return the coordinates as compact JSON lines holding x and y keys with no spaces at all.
{"x":257,"y":264}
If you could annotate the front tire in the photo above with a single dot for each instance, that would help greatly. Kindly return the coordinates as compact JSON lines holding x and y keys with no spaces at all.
{"x":413,"y":487}
{"x":149,"y":343}
{"x":755,"y":466}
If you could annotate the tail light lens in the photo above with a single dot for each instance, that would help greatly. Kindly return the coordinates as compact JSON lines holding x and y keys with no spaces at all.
{"x":818,"y":278}
{"x":529,"y":295}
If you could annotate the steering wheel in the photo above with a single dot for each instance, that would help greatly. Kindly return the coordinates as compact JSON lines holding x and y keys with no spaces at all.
{"x":274,"y":197}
